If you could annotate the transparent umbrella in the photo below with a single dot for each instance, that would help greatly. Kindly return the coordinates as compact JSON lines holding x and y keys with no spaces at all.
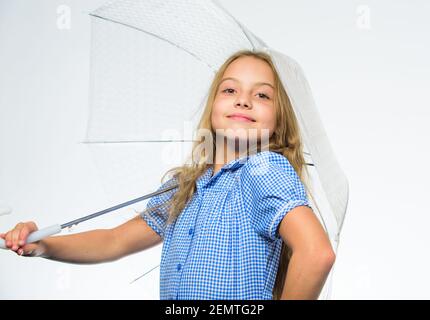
{"x":151,"y":66}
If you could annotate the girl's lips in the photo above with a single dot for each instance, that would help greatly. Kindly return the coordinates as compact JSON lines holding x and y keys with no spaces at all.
{"x":239,"y":118}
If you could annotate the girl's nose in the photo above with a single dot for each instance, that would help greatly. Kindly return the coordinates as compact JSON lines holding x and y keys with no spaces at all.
{"x":243,"y":103}
{"x":242,"y":99}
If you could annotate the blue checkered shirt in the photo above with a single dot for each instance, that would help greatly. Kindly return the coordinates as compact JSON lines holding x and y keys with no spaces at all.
{"x":225,"y":244}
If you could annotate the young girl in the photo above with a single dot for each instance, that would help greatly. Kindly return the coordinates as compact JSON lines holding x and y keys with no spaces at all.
{"x":237,"y":226}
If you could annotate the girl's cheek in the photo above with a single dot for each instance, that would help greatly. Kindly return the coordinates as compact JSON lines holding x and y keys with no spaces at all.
{"x":216,"y":114}
{"x":225,"y":98}
{"x":216,"y":108}
{"x":220,"y":106}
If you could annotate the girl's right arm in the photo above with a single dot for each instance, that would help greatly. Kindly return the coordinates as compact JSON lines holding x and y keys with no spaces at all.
{"x":96,"y":246}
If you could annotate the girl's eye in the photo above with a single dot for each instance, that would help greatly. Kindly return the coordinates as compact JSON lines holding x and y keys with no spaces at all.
{"x":261,"y":94}
{"x":266,"y":97}
{"x":228,"y":89}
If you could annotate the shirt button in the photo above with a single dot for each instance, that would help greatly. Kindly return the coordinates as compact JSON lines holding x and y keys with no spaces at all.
{"x":190,"y":232}
{"x":178,"y":267}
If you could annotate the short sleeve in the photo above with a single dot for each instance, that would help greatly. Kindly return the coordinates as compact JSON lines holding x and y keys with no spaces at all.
{"x":157,"y":217}
{"x":271,"y":188}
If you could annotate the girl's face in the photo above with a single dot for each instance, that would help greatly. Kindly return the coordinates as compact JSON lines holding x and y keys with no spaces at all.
{"x":246,"y":89}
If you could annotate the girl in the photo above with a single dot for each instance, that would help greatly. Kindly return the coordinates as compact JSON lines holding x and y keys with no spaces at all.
{"x":234,"y":227}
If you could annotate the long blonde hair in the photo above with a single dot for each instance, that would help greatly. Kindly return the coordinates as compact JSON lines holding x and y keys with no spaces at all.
{"x":285,"y":140}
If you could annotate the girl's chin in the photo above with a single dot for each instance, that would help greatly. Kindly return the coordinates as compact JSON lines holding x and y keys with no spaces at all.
{"x":241,"y":133}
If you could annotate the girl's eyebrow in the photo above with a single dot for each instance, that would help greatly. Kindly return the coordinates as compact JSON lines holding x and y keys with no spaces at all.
{"x":255,"y":84}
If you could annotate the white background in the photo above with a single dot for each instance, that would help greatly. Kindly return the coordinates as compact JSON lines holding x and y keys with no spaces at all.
{"x":367,"y":64}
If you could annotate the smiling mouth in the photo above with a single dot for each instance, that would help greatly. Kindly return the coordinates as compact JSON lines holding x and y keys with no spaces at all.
{"x":240,"y":118}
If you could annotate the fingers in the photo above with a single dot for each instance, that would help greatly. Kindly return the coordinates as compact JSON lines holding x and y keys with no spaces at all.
{"x":16,"y":237}
{"x":8,"y":239}
{"x":23,"y":236}
{"x":27,"y":250}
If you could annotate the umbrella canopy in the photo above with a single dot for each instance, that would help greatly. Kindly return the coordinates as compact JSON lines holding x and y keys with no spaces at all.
{"x":152,"y":63}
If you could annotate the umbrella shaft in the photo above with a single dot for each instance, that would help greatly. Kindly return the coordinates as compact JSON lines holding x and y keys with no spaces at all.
{"x":119,"y":206}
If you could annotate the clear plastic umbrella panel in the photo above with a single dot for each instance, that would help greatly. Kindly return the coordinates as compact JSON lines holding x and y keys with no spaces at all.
{"x":152,"y":62}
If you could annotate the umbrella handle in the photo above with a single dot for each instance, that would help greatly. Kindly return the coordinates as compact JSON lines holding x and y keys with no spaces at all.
{"x":37,"y":235}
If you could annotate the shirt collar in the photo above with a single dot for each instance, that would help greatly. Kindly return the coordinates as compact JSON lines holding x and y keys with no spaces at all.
{"x":206,"y":177}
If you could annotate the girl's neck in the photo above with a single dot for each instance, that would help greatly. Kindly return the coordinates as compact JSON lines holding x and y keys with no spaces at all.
{"x":227,"y":152}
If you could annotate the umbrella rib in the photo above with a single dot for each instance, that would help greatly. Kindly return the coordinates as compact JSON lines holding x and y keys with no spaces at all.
{"x":131,"y":141}
{"x":144,"y":274}
{"x":154,"y":35}
{"x":235,"y":21}
{"x":138,"y":141}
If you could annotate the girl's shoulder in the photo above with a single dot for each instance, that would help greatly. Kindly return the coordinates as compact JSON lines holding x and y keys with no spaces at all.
{"x":170,"y":186}
{"x":267,"y":160}
{"x":268,"y":168}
